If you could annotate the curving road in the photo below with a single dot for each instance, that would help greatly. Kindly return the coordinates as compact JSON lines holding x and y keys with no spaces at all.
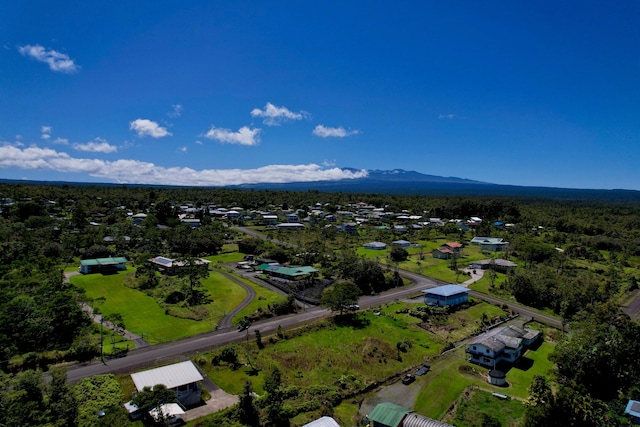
{"x":171,"y":351}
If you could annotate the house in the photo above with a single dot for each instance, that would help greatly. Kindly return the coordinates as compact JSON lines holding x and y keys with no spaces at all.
{"x":291,"y":217}
{"x":103,"y":265}
{"x":183,"y":378}
{"x":270,"y":219}
{"x":349,"y":227}
{"x":323,"y":422}
{"x":501,"y":345}
{"x":455,"y":247}
{"x":290,"y":273}
{"x":501,"y":265}
{"x":443,"y":253}
{"x":171,"y":266}
{"x":442,"y":296}
{"x":387,"y":414}
{"x":378,"y":246}
{"x":191,"y":222}
{"x":633,"y":409}
{"x":491,"y":244}
{"x":401,"y":243}
{"x":138,"y":218}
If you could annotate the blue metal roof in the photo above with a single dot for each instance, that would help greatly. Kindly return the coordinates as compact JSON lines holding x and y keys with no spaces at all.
{"x":446,"y":290}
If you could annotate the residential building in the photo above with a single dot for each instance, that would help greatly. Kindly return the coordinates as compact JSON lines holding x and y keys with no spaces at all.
{"x":103,"y":265}
{"x":443,"y":296}
{"x":501,"y":345}
{"x":183,"y":378}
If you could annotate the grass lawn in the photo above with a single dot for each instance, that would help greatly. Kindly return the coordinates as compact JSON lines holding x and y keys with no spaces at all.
{"x":476,"y":404}
{"x":143,"y":316}
{"x":451,"y":374}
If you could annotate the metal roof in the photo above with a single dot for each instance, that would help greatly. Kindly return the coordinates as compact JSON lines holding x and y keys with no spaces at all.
{"x":446,"y":290}
{"x":323,"y":422}
{"x":417,"y":420}
{"x":171,"y":376}
{"x":388,"y":414}
{"x":103,"y":261}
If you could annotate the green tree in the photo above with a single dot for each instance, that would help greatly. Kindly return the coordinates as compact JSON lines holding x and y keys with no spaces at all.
{"x":398,"y":254}
{"x":247,"y":411}
{"x":340,"y":296}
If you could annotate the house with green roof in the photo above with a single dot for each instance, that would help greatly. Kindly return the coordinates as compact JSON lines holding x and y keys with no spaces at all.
{"x":103,"y":265}
{"x":291,"y":273}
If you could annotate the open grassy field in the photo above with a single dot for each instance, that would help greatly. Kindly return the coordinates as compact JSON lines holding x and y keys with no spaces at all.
{"x":142,"y":314}
{"x":352,"y":355}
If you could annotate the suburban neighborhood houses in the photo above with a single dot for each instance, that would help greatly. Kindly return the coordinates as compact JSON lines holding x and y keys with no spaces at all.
{"x":330,"y":308}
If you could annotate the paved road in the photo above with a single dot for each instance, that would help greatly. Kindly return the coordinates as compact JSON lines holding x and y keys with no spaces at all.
{"x":172,"y":351}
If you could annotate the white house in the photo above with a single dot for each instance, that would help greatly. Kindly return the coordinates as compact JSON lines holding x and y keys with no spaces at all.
{"x":183,"y":378}
{"x":501,"y":345}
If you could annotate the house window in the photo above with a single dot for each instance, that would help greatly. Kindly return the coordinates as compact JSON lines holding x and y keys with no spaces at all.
{"x":474,"y":347}
{"x":487,"y":350}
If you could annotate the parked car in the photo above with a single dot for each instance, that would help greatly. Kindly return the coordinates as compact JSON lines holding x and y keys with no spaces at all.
{"x":408,"y":379}
{"x":423,"y":370}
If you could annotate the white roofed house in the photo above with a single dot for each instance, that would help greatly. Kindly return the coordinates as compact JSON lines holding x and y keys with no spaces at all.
{"x":183,"y":378}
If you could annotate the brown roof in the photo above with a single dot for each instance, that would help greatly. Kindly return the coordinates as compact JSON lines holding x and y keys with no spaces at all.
{"x":454,"y":244}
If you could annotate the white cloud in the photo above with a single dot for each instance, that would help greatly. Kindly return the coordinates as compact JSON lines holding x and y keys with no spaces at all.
{"x":146,"y":127}
{"x":46,"y":132}
{"x":274,"y":115}
{"x":446,"y":116}
{"x":63,"y":141}
{"x":199,"y":142}
{"x":244,"y":135}
{"x":339,"y":132}
{"x":98,"y":145}
{"x":57,"y":61}
{"x":138,"y":172}
{"x":176,"y":111}
{"x":183,"y":148}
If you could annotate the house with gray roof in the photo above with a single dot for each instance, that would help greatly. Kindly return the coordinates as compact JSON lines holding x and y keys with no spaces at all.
{"x":183,"y":378}
{"x":506,"y":344}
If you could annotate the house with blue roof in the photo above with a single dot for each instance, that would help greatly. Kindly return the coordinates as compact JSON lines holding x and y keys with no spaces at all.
{"x":633,"y":409}
{"x":443,"y":296}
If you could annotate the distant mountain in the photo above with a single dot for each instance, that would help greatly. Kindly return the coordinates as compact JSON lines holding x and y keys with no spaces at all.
{"x":402,"y":182}
{"x":399,"y":181}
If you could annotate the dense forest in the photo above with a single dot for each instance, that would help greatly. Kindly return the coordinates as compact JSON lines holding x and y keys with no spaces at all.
{"x":579,"y":259}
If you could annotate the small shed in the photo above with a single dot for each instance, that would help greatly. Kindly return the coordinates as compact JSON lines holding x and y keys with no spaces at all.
{"x":442,"y":296}
{"x":497,"y":377}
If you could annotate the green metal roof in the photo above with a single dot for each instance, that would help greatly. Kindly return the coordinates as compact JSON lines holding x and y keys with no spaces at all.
{"x":388,"y":414}
{"x":103,"y":261}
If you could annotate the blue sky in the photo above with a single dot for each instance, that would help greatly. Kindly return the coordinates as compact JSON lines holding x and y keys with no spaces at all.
{"x":213,"y":93}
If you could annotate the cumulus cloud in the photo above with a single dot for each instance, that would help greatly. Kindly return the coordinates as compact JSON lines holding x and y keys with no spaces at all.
{"x":62,"y":141}
{"x":244,"y":135}
{"x":46,"y":132}
{"x":339,"y":132}
{"x":274,"y":115}
{"x":183,"y":148}
{"x":144,"y":127}
{"x":138,"y":172}
{"x":98,"y":145}
{"x":59,"y":62}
